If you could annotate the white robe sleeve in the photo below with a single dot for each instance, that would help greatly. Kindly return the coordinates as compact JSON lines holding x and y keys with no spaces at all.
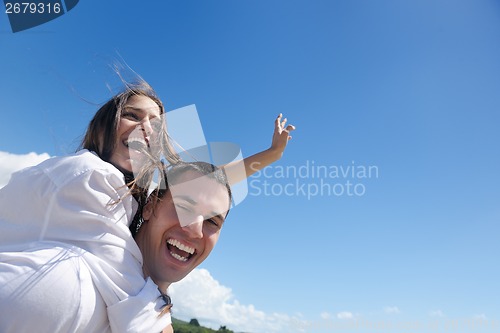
{"x":121,"y":313}
{"x":82,"y":200}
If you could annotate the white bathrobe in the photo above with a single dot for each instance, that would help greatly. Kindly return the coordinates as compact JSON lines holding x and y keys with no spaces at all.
{"x":68,"y":262}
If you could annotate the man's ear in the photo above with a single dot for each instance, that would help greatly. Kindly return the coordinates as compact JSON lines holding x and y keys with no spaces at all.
{"x":147,"y":211}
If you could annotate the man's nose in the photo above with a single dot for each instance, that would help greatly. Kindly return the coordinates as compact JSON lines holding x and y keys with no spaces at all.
{"x":195,"y":228}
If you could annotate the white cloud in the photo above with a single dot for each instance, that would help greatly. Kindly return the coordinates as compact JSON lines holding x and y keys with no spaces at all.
{"x":202,"y":297}
{"x":391,"y":310}
{"x":345,"y":315}
{"x":325,"y":315}
{"x":12,"y":163}
{"x":437,"y":313}
{"x":481,"y":316}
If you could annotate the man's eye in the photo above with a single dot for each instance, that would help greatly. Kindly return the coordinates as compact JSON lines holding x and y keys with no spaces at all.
{"x":181,"y":207}
{"x":212,"y":222}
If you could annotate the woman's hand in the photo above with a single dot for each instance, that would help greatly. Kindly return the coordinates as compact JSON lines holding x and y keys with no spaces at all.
{"x":264,"y":158}
{"x":281,"y":136}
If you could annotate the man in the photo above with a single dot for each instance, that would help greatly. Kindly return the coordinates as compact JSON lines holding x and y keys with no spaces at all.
{"x":180,"y":231}
{"x":182,"y":226}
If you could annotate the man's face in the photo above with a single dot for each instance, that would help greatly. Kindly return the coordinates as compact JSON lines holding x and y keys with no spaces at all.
{"x":183,"y":228}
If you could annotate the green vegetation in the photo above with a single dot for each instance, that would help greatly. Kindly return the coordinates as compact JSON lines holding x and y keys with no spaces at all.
{"x":194,"y":322}
{"x":194,"y":327}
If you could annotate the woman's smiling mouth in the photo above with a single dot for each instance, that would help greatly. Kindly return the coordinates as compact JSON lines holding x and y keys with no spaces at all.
{"x":136,"y":143}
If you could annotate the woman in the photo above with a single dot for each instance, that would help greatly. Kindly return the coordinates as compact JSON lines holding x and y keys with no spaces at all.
{"x":76,"y":210}
{"x":72,"y":213}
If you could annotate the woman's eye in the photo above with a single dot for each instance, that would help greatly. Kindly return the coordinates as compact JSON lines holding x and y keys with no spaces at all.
{"x":130,"y":115}
{"x":156,"y":124}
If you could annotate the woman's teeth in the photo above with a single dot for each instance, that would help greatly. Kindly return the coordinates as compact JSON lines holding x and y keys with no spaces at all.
{"x":136,"y":144}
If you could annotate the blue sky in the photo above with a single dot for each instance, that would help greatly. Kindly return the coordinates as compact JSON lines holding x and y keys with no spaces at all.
{"x":408,"y":87}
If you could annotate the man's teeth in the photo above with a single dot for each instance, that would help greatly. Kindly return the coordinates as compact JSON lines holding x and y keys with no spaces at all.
{"x":178,"y":257}
{"x":180,"y":246}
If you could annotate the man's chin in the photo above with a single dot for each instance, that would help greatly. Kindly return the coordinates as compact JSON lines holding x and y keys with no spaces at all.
{"x":178,"y":277}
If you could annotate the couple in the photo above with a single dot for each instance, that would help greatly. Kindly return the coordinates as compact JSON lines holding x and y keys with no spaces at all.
{"x":83,"y":250}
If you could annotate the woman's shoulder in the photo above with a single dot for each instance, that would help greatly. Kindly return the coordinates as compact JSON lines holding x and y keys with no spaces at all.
{"x":83,"y":159}
{"x":61,"y":169}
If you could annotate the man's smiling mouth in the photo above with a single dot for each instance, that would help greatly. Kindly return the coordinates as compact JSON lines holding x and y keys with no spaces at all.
{"x":179,"y":251}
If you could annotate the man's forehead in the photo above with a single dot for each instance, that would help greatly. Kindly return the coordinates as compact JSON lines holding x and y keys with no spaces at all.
{"x":202,"y":191}
{"x":194,"y":184}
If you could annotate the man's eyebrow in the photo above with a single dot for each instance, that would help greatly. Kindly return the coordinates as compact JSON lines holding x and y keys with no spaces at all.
{"x":185,"y":198}
{"x":193,"y":202}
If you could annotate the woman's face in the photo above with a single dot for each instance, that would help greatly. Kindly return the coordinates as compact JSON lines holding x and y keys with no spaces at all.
{"x":135,"y":131}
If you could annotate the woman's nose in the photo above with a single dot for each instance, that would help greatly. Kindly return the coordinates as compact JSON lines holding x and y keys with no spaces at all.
{"x":147,"y":127}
